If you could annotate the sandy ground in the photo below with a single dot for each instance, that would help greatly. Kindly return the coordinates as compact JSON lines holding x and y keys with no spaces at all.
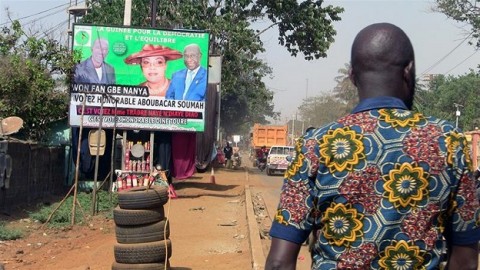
{"x":207,"y":222}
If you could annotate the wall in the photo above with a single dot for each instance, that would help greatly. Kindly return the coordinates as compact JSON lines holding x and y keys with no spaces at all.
{"x":38,"y":172}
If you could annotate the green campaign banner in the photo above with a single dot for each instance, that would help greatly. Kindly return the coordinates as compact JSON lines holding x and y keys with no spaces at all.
{"x":139,"y":78}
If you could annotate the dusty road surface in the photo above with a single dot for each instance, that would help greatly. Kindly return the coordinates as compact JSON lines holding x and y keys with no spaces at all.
{"x":208,"y":230}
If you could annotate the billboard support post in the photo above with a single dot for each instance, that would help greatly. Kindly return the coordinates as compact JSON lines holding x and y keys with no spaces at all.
{"x":95,"y":178}
{"x":127,"y":15}
{"x":153,"y":13}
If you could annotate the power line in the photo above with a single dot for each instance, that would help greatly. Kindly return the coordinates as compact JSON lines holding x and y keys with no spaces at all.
{"x":443,"y":58}
{"x":51,"y":30}
{"x":461,"y":62}
{"x":38,"y":13}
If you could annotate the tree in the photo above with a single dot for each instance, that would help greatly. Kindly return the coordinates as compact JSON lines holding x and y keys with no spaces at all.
{"x":28,"y":66}
{"x":320,"y":110}
{"x":465,"y":11}
{"x":444,"y":92}
{"x":303,"y":28}
{"x":345,"y":91}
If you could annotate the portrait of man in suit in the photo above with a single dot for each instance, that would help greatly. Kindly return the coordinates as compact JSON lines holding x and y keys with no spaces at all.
{"x":189,"y":83}
{"x":94,"y":69}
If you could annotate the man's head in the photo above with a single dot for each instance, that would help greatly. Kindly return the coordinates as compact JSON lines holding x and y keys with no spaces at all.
{"x":191,"y":56}
{"x":99,"y":51}
{"x":382,"y":63}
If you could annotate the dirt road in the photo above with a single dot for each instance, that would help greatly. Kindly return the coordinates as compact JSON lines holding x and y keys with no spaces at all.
{"x":208,"y":227}
{"x":216,"y":226}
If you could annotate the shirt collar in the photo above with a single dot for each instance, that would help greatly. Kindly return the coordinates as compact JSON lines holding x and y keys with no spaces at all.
{"x":194,"y":71}
{"x":379,"y":103}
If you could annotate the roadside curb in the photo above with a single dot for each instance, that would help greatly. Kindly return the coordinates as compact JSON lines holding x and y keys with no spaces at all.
{"x":258,"y":257}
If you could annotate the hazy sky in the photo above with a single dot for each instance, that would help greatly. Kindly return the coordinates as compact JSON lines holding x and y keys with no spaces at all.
{"x":434,"y":37}
{"x":437,"y":42}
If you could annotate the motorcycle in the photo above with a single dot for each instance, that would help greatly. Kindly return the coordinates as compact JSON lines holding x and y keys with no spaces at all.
{"x":236,"y":161}
{"x":262,"y":163}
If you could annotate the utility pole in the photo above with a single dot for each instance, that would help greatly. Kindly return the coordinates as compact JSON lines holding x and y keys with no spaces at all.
{"x":153,"y":13}
{"x":293,"y":131}
{"x":306,"y":91}
{"x":127,"y":15}
{"x":457,"y":113}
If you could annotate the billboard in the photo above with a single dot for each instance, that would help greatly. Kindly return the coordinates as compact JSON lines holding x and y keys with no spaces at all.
{"x":139,"y":78}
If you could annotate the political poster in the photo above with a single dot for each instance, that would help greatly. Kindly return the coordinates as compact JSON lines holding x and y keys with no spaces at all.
{"x":139,"y":78}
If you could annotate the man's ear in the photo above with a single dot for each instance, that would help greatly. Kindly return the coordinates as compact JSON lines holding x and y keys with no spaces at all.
{"x":409,"y":73}
{"x":351,"y":75}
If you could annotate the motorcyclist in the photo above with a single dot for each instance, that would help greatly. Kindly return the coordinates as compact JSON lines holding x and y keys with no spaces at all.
{"x":262,"y":155}
{"x":236,"y":158}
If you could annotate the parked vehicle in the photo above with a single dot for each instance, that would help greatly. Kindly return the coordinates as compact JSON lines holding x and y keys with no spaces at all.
{"x":278,"y":158}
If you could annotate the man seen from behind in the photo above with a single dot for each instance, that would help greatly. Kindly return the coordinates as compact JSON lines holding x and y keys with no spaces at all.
{"x":382,"y":187}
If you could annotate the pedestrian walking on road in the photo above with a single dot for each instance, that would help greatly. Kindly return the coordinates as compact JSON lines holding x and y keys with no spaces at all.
{"x":382,"y":187}
{"x":228,"y":151}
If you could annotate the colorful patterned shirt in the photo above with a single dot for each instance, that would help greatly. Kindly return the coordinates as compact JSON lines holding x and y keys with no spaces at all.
{"x":379,"y":188}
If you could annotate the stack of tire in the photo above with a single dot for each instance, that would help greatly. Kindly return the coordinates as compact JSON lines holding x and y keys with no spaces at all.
{"x":142,"y":230}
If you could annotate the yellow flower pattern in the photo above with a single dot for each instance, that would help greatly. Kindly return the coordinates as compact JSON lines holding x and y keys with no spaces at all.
{"x":343,"y":224}
{"x":453,"y":142}
{"x":341,"y":149}
{"x":406,"y":185}
{"x":401,"y":256}
{"x":400,"y":118}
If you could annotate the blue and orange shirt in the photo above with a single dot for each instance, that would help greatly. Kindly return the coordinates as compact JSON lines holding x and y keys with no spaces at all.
{"x":380,"y":188}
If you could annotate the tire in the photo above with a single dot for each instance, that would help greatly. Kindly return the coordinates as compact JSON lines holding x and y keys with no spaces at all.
{"x":153,"y":252}
{"x":132,"y":217}
{"x":143,"y":197}
{"x":144,"y":233}
{"x":143,"y":266}
{"x":269,"y":172}
{"x":203,"y":168}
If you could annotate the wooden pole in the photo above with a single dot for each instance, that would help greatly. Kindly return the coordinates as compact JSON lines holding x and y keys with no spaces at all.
{"x":77,"y":162}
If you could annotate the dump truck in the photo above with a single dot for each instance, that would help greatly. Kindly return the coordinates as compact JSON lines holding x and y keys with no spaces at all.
{"x":268,"y":136}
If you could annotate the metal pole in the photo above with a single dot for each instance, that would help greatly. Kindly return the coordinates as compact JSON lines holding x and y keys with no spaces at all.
{"x":457,"y":113}
{"x":218,"y":111}
{"x":293,"y":131}
{"x":127,"y":15}
{"x":153,"y":13}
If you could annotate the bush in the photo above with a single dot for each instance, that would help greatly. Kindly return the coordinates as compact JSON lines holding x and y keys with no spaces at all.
{"x":9,"y":233}
{"x":62,"y":216}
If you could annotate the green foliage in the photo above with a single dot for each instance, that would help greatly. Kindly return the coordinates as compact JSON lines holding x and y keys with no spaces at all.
{"x":303,"y":28}
{"x":28,"y":66}
{"x":62,"y":216}
{"x":345,"y":91}
{"x":9,"y":233}
{"x":322,"y":109}
{"x":465,"y":11}
{"x":440,"y":96}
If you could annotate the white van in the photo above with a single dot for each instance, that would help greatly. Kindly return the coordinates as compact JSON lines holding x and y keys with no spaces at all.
{"x":277,"y":158}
